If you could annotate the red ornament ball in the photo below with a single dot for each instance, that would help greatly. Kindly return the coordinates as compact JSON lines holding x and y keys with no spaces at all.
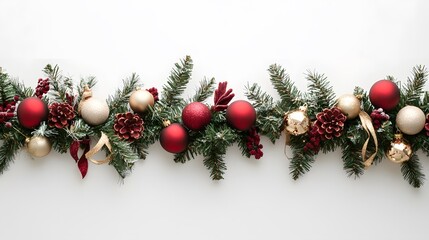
{"x":31,"y":112}
{"x":196,"y":116}
{"x":174,"y":138}
{"x":384,"y":94}
{"x":241,"y":115}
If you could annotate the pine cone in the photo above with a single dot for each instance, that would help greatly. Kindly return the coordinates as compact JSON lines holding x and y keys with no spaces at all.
{"x":154,"y":93}
{"x":42,"y":87}
{"x":330,"y":123}
{"x":60,"y":115}
{"x":128,"y":126}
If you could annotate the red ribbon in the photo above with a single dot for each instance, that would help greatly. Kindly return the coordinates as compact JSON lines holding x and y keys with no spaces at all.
{"x":82,"y":162}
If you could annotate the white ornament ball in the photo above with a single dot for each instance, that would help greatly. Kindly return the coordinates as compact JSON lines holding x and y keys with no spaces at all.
{"x":94,"y":111}
{"x":349,"y":104}
{"x":38,"y":146}
{"x":410,"y":120}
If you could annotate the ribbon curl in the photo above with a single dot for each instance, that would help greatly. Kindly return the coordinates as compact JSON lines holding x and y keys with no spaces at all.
{"x":369,"y":128}
{"x":103,"y":141}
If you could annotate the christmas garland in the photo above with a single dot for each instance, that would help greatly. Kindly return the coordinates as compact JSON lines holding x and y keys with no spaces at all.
{"x":388,"y":121}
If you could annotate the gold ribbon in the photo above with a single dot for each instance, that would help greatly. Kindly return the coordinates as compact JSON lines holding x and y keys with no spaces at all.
{"x":369,"y":128}
{"x":103,"y":141}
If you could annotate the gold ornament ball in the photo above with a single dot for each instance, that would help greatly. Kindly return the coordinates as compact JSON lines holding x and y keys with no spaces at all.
{"x":297,"y":122}
{"x":140,"y":100}
{"x":400,"y":151}
{"x":38,"y":146}
{"x":94,"y":111}
{"x":349,"y":104}
{"x":410,"y":120}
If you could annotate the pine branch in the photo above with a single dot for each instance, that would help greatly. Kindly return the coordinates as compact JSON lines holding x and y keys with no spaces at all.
{"x":214,"y":162}
{"x":366,"y":103}
{"x":21,"y":90}
{"x":258,"y":97}
{"x":60,"y":86}
{"x":289,"y":94}
{"x":123,"y":155}
{"x":7,"y":91}
{"x":213,"y":145}
{"x":150,"y":135}
{"x":270,"y":116}
{"x":119,"y":101}
{"x":320,"y":93}
{"x":301,"y":161}
{"x":177,"y":82}
{"x":425,"y":102}
{"x":191,"y":149}
{"x":413,"y":90}
{"x":413,"y":172}
{"x":186,"y":155}
{"x":205,"y":90}
{"x":8,"y":151}
{"x":351,"y":151}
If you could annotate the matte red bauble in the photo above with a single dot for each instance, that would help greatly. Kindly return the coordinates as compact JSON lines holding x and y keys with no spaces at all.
{"x":241,"y":115}
{"x":196,"y":116}
{"x":384,"y":94}
{"x":174,"y":138}
{"x":31,"y":112}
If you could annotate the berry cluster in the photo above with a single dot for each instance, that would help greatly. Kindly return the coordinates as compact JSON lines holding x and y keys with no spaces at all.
{"x":42,"y":87}
{"x":7,"y":111}
{"x":253,"y":143}
{"x":378,"y":117}
{"x":313,"y":143}
{"x":154,"y":93}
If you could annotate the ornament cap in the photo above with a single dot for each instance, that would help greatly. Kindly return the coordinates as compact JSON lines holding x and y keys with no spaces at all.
{"x":398,"y":136}
{"x":166,"y":122}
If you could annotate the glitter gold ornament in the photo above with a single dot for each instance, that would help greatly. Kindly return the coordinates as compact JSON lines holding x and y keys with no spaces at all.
{"x":400,"y":151}
{"x":297,"y":121}
{"x":410,"y":120}
{"x":349,"y":104}
{"x":140,"y":100}
{"x":38,"y":146}
{"x":94,"y":111}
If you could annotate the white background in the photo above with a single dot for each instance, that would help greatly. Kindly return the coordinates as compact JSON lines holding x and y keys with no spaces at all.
{"x":352,"y":42}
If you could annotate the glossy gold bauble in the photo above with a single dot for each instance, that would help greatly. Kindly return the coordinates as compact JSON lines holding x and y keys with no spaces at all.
{"x":38,"y":146}
{"x":140,"y":100}
{"x":349,"y":104}
{"x":400,"y":151}
{"x":410,"y":120}
{"x":297,"y":121}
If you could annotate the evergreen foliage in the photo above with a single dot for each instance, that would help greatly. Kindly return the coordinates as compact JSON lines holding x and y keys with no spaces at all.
{"x":212,"y":142}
